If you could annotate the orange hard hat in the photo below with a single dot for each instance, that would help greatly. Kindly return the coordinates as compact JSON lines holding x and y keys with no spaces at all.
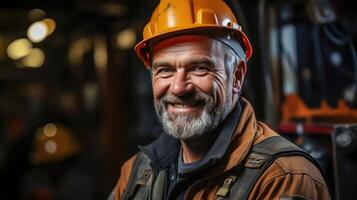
{"x":54,"y":142}
{"x":177,"y":17}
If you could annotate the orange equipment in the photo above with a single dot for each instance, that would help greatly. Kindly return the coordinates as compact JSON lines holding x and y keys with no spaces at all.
{"x":295,"y":110}
{"x":176,"y":17}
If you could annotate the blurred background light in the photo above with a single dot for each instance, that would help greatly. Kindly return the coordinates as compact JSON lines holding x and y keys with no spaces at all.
{"x":100,"y":54}
{"x":19,"y":48}
{"x":35,"y":59}
{"x":50,"y":130}
{"x":36,"y":14}
{"x":50,"y":146}
{"x":51,"y":25}
{"x":77,"y":49}
{"x":37,"y":31}
{"x":126,"y":39}
{"x":114,"y":9}
{"x":90,"y":93}
{"x":53,"y":142}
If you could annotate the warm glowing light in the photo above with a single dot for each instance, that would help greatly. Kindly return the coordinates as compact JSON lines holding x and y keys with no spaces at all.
{"x":37,"y":31}
{"x":19,"y":48}
{"x":100,"y":54}
{"x":50,"y":130}
{"x":126,"y":39}
{"x":35,"y":59}
{"x":114,"y":9}
{"x":51,"y":146}
{"x":36,"y":14}
{"x":51,"y":25}
{"x":78,"y":49}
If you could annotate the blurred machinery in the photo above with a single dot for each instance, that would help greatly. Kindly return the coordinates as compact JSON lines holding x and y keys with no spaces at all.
{"x":310,"y":77}
{"x":345,"y":160}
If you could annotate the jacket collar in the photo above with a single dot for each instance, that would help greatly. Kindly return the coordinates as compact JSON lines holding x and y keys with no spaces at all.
{"x":246,"y":135}
{"x":162,"y":151}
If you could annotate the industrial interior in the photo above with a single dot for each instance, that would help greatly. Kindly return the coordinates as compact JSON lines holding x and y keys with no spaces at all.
{"x":75,"y":101}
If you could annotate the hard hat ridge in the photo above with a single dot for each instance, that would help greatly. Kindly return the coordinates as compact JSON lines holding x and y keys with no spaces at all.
{"x":177,"y":17}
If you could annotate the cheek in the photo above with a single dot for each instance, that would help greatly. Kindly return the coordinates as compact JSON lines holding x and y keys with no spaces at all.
{"x":205,"y":84}
{"x":221,"y":88}
{"x":213,"y":86}
{"x":160,"y":87}
{"x":220,"y":91}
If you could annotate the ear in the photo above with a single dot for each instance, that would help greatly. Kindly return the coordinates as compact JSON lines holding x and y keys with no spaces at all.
{"x":238,"y":76}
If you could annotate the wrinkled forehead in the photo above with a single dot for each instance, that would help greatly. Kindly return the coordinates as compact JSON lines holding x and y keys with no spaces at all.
{"x":183,"y":42}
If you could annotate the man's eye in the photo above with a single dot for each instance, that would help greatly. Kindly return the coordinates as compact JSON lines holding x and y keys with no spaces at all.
{"x":199,"y":69}
{"x":164,"y":71}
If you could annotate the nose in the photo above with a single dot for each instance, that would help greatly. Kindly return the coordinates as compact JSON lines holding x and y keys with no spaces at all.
{"x":181,"y":86}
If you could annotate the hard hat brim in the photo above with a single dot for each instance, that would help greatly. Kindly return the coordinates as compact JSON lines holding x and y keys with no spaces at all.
{"x":142,"y":49}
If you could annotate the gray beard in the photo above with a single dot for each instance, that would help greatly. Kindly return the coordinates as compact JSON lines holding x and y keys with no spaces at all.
{"x":189,"y":126}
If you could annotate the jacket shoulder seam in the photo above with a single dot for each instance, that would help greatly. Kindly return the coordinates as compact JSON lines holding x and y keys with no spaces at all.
{"x":291,"y":171}
{"x":283,"y":173}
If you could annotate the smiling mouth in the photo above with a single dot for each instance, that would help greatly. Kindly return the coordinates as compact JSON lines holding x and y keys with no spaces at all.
{"x":180,"y":105}
{"x":185,"y":105}
{"x":189,"y":107}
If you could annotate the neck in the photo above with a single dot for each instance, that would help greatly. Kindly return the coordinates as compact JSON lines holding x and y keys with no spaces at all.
{"x":194,"y":150}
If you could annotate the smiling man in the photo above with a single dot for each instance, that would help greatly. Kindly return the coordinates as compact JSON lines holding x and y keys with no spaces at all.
{"x":191,"y":91}
{"x":212,"y":146}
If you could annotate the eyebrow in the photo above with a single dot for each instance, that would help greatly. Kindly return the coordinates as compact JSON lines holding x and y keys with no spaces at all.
{"x":202,"y":60}
{"x":205,"y":60}
{"x":155,"y":65}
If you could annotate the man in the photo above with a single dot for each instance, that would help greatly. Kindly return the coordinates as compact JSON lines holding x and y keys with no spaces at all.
{"x":212,"y":146}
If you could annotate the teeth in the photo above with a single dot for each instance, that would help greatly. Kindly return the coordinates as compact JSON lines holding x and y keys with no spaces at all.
{"x":181,"y":105}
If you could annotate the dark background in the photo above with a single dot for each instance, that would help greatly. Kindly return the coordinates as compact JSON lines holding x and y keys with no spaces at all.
{"x":97,"y":93}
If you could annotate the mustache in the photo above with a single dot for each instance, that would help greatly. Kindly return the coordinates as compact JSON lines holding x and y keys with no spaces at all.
{"x":190,"y":99}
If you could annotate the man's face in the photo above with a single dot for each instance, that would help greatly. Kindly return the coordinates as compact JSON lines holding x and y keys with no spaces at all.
{"x":192,"y":91}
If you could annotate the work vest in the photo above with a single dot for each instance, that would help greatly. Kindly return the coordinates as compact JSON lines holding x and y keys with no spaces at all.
{"x":145,"y":184}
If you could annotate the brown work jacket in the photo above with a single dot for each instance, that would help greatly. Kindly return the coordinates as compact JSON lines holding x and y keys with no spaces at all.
{"x":290,"y":177}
